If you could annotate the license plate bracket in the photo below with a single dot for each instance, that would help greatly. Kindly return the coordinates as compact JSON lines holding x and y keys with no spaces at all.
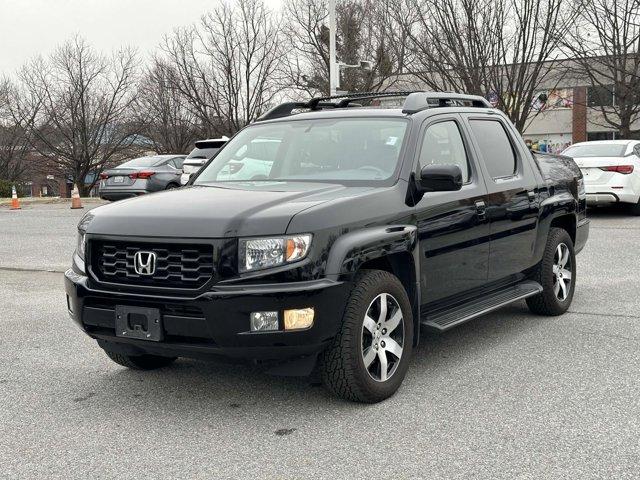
{"x":138,"y":322}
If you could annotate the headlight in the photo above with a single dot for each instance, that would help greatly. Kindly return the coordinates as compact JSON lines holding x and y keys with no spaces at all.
{"x":259,"y":253}
{"x":80,"y":245}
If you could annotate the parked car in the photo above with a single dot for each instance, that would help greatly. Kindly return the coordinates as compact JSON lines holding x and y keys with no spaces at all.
{"x":141,"y":175}
{"x":204,"y":151}
{"x":611,"y":170}
{"x":369,"y":226}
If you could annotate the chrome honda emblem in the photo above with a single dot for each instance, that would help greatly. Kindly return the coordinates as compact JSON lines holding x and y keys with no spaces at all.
{"x":144,"y":263}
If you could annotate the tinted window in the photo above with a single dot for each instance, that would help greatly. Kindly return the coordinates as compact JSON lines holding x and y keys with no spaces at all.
{"x":599,"y":96}
{"x":203,"y":153}
{"x":176,"y":162}
{"x":596,"y":150}
{"x":598,"y":136}
{"x":443,"y":145}
{"x":495,"y":147}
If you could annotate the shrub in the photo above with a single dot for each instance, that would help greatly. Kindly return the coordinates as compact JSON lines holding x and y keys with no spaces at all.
{"x":5,"y":188}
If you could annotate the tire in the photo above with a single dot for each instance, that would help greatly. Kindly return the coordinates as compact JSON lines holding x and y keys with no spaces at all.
{"x":634,"y":208}
{"x":140,"y":362}
{"x":555,"y":299}
{"x":342,"y":364}
{"x":171,"y":186}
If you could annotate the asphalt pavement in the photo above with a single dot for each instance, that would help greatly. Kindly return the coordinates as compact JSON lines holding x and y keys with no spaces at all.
{"x":508,"y":395}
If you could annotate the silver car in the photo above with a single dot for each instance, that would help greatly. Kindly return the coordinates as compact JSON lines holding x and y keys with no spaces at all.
{"x":141,"y":175}
{"x":204,"y":151}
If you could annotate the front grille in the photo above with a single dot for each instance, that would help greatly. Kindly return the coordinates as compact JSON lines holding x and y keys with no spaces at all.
{"x":177,"y":265}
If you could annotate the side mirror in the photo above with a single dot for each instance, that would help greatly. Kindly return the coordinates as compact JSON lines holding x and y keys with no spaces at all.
{"x":440,"y":178}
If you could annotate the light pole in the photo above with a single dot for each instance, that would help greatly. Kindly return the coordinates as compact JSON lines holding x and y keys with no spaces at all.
{"x":334,"y":65}
{"x":334,"y":70}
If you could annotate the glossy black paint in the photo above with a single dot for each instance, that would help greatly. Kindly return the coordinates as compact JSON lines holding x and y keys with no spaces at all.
{"x":440,"y":178}
{"x":444,"y":246}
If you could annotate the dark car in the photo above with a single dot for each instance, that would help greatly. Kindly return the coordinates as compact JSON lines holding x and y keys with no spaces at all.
{"x":141,"y":175}
{"x":370,"y":226}
{"x":204,"y":151}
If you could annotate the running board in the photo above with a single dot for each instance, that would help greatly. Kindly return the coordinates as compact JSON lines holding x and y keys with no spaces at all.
{"x":446,"y":319}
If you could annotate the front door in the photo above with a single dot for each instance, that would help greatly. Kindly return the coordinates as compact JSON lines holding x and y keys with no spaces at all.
{"x":452,"y":226}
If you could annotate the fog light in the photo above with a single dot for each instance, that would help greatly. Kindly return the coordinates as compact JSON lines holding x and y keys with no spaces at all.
{"x":298,"y":319}
{"x":264,"y":321}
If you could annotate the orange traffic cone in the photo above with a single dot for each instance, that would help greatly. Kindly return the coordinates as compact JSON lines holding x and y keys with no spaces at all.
{"x":75,"y":198}
{"x":15,"y":203}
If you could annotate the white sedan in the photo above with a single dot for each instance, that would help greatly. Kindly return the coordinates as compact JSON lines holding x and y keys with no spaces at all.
{"x":611,"y":170}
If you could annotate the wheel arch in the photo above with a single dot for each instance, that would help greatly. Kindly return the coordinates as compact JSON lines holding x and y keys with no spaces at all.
{"x":392,"y":248}
{"x":567,"y":222}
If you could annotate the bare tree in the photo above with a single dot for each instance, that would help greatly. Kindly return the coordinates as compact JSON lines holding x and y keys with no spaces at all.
{"x":168,"y":125}
{"x":228,"y":66}
{"x":527,"y":49}
{"x":498,"y":48}
{"x":365,"y":31}
{"x":83,"y":106}
{"x":605,"y":44}
{"x":451,"y":43}
{"x":14,"y":138}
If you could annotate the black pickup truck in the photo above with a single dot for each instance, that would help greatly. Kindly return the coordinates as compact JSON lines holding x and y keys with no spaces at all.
{"x":326,"y":236}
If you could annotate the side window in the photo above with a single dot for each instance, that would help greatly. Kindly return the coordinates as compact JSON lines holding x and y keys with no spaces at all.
{"x":636,"y":150}
{"x":443,"y":145}
{"x":177,"y":162}
{"x":495,"y":147}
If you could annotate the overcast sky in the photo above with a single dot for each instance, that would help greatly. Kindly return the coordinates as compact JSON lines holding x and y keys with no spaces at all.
{"x":32,"y":27}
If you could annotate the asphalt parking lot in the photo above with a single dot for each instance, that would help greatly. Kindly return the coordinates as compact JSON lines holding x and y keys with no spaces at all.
{"x":509,"y":395}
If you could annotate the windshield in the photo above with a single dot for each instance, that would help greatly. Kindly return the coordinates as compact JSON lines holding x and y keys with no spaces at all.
{"x":596,"y":150}
{"x":202,"y":153}
{"x":347,"y":149}
{"x":142,"y":162}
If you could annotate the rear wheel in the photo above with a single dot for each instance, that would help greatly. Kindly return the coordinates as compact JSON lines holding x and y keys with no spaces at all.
{"x":140,"y":362}
{"x":635,"y":208}
{"x":172,"y":185}
{"x":369,"y":357}
{"x":557,"y":275}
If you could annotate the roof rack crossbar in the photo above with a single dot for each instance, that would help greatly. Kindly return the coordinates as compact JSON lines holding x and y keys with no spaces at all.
{"x":417,"y":101}
{"x":370,"y":96}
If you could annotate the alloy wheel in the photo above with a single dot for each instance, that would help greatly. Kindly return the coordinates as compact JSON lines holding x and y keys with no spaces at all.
{"x":382,"y":337}
{"x":562,"y":272}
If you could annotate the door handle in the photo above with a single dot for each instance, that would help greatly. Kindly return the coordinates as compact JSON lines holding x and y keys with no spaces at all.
{"x":481,"y":208}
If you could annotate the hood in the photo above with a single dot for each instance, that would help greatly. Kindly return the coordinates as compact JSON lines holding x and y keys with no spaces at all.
{"x":217,"y":211}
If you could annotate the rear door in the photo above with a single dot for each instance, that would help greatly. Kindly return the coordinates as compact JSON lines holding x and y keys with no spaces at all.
{"x":452,"y":226}
{"x":512,"y":200}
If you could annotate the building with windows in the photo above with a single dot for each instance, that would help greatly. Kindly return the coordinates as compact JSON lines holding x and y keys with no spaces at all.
{"x":566,"y":109}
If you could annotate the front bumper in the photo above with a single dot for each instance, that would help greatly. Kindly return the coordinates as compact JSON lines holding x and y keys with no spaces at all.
{"x":215,"y":323}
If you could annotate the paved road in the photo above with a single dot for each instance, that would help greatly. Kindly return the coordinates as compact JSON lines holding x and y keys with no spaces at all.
{"x":508,"y":395}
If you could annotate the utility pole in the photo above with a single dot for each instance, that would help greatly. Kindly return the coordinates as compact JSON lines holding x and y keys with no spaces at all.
{"x":333,"y":65}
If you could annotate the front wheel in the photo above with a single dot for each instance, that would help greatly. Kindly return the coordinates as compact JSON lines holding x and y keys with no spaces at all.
{"x":369,"y":357}
{"x":557,"y":275}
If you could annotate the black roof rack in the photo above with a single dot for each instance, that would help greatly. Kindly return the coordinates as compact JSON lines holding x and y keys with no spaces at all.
{"x":415,"y":101}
